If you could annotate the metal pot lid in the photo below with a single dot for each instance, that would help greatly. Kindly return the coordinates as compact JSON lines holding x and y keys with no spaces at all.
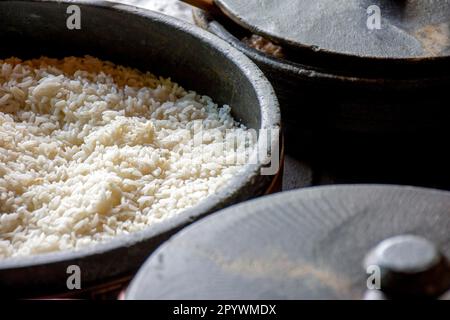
{"x":307,"y":244}
{"x":408,"y":29}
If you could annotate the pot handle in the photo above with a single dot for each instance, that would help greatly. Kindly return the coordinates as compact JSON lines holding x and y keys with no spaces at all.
{"x":207,"y":5}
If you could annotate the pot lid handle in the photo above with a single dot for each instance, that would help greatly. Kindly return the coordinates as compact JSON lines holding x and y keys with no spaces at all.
{"x":409,"y":266}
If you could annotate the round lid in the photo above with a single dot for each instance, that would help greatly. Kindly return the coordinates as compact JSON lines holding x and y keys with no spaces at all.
{"x":394,"y":29}
{"x":317,"y":243}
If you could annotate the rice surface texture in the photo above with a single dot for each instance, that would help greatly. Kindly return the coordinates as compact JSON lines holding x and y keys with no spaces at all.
{"x":90,"y":151}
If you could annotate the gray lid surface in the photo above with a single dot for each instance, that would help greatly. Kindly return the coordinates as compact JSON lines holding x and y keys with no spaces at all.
{"x":303,"y":244}
{"x":410,"y":29}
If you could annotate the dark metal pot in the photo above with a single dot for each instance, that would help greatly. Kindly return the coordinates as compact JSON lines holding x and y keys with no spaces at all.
{"x":376,"y":121}
{"x":148,"y":41}
{"x":315,"y":243}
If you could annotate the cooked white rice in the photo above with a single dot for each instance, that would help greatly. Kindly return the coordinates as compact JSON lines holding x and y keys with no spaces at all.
{"x":90,"y":151}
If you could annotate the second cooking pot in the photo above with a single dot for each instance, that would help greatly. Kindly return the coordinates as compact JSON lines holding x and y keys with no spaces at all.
{"x":367,"y":120}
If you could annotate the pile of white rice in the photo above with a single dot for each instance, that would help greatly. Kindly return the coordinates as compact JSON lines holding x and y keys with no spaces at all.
{"x":90,"y":151}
